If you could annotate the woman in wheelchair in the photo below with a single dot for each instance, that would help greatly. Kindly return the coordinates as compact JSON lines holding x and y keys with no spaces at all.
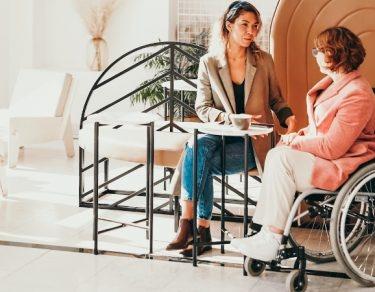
{"x":338,"y":139}
{"x":235,"y":77}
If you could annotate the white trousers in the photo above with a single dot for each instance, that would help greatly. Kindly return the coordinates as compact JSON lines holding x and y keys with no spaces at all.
{"x":286,"y":171}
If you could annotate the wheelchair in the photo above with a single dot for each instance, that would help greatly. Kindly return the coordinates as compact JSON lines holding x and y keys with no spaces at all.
{"x":333,"y":226}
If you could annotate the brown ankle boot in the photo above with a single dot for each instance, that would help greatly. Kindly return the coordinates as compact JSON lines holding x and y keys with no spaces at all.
{"x":204,"y":236}
{"x":184,"y":235}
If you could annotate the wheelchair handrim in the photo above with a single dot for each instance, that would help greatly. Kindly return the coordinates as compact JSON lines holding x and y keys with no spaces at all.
{"x":344,"y":213}
{"x":319,"y":254}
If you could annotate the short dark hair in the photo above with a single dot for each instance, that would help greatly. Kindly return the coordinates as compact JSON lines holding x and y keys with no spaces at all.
{"x":342,"y":48}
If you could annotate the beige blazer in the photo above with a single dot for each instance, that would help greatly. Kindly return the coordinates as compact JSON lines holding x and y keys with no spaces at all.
{"x":215,"y":98}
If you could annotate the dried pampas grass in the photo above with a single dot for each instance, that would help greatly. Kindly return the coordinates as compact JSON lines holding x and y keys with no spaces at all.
{"x":96,"y":14}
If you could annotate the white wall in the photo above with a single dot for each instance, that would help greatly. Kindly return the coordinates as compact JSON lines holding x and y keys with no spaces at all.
{"x":21,"y":37}
{"x":4,"y":51}
{"x":60,"y":37}
{"x":16,"y":42}
{"x":51,"y":34}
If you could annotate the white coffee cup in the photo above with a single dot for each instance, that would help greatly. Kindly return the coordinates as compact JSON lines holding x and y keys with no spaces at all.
{"x":241,"y":121}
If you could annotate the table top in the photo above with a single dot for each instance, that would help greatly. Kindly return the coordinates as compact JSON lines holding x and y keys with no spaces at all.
{"x":136,"y":118}
{"x":225,"y":130}
{"x":181,"y":85}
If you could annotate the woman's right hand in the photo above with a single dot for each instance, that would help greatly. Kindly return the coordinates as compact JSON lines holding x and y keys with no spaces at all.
{"x":288,"y":138}
{"x":255,"y":119}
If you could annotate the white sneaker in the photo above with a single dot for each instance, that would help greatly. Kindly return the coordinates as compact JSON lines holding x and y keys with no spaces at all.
{"x":262,"y":246}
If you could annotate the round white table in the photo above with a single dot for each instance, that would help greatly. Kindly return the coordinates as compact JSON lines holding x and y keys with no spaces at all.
{"x":224,"y":131}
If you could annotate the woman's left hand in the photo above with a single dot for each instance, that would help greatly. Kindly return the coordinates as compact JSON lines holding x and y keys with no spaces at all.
{"x":287,"y":139}
{"x":291,"y":123}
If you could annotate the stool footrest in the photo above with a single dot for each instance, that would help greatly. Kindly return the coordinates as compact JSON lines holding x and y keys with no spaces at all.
{"x":212,"y":243}
{"x":123,"y":224}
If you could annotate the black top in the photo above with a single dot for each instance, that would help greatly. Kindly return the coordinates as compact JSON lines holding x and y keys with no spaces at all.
{"x":239,"y":95}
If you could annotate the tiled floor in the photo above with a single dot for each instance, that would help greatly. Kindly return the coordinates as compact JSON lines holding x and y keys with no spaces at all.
{"x":41,"y":209}
{"x":32,"y":269}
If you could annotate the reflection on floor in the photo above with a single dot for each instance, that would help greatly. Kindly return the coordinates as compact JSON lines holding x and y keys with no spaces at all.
{"x":41,"y":209}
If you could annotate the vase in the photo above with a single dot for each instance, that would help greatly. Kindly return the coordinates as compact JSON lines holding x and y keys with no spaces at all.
{"x":97,"y":54}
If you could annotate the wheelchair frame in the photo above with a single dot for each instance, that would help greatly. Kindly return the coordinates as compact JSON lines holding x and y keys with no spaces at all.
{"x":297,"y":280}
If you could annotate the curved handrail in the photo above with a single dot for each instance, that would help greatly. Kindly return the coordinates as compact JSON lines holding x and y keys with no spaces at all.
{"x":168,"y":45}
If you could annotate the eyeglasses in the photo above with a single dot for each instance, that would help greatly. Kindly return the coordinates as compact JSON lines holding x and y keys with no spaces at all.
{"x":315,"y":51}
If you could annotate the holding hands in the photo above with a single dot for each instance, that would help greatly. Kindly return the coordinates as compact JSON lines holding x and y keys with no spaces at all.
{"x":291,"y":133}
{"x":287,"y":139}
{"x":291,"y":123}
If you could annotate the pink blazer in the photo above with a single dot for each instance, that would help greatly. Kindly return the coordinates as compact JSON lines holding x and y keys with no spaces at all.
{"x":341,"y":130}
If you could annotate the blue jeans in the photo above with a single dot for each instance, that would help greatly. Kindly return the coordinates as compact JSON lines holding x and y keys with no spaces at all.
{"x":209,"y":165}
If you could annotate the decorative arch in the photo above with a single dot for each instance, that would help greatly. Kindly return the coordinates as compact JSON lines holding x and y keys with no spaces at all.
{"x":293,"y":29}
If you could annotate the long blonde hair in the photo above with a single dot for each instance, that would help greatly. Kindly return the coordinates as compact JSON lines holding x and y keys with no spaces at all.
{"x":219,"y":33}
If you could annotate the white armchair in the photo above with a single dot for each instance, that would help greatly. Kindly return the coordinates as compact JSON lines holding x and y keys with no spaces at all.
{"x":39,"y":111}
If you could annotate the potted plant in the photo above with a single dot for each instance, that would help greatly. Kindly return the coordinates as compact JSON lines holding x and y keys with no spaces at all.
{"x":160,"y":64}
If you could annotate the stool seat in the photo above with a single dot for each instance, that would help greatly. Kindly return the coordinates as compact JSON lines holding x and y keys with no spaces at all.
{"x":129,"y":143}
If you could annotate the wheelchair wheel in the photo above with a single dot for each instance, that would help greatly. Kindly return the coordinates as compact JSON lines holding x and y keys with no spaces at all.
{"x":355,"y":206}
{"x":311,"y":229}
{"x":254,"y":267}
{"x":295,"y":283}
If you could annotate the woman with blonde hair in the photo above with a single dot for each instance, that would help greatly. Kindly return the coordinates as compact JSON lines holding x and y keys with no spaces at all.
{"x":235,"y":77}
{"x":339,"y":138}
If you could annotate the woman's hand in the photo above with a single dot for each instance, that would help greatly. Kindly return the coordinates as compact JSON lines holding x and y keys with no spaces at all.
{"x":255,"y":120}
{"x":291,"y":123}
{"x":287,"y":139}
